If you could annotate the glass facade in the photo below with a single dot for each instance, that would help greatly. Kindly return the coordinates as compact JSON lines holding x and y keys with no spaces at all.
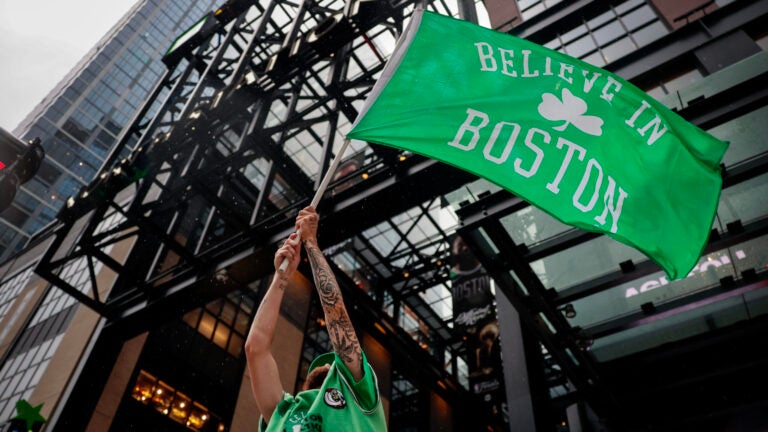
{"x":80,"y":121}
{"x":618,"y":31}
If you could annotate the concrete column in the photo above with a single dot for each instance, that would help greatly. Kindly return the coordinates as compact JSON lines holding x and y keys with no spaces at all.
{"x":519,"y":399}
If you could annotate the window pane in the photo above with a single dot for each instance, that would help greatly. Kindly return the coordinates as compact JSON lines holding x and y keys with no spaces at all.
{"x":573,"y":34}
{"x":649,"y":34}
{"x":745,"y":201}
{"x":601,"y":19}
{"x":207,"y":324}
{"x":241,"y":323}
{"x":682,"y":81}
{"x":236,"y":345}
{"x":228,"y":313}
{"x":638,"y":17}
{"x":618,"y":49}
{"x":221,"y":335}
{"x":609,"y":32}
{"x":580,"y":263}
{"x":191,"y":317}
{"x":746,"y":135}
{"x":595,"y":59}
{"x":531,"y":226}
{"x":580,"y":46}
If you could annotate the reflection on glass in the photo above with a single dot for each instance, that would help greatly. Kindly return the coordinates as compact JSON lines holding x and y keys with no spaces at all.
{"x":191,"y":317}
{"x":746,"y":135}
{"x":162,"y":397}
{"x":627,"y":298}
{"x":144,"y":387}
{"x":670,"y":329}
{"x":169,"y":402}
{"x":221,"y":335}
{"x":180,"y":408}
{"x":744,"y":201}
{"x":586,"y":261}
{"x":531,"y":226}
{"x":236,"y":345}
{"x":198,"y":416}
{"x":207,"y":324}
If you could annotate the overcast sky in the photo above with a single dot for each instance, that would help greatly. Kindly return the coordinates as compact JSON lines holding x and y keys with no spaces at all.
{"x":40,"y":41}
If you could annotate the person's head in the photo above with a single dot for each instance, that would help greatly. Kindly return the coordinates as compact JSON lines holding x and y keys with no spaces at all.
{"x":489,"y":333}
{"x":463,"y":259}
{"x":318,"y":370}
{"x":315,"y":377}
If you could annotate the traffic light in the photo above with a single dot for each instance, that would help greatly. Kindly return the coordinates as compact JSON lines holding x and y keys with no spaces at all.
{"x":18,"y":164}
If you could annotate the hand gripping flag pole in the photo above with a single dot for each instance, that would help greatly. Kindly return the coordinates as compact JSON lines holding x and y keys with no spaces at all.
{"x":321,"y":190}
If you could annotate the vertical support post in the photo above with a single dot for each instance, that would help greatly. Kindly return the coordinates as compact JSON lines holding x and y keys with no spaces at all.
{"x":467,"y":11}
{"x":519,"y":398}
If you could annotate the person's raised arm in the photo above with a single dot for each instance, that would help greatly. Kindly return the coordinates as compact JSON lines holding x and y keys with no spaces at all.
{"x":265,"y":378}
{"x":339,"y":326}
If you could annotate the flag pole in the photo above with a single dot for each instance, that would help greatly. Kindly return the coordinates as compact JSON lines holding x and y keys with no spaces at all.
{"x":321,"y":190}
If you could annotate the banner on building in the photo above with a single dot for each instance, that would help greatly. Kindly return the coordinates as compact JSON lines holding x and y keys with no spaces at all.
{"x":476,"y":321}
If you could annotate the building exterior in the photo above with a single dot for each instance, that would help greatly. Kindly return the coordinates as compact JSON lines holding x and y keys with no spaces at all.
{"x":81,"y":119}
{"x":129,"y":312}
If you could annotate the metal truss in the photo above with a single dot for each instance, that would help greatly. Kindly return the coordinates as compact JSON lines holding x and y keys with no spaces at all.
{"x":207,"y":178}
{"x":214,"y":153}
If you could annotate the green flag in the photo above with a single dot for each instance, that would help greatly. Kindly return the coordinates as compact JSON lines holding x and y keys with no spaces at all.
{"x":578,"y":142}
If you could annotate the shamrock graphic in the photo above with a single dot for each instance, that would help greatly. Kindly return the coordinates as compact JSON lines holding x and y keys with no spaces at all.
{"x":571,"y":111}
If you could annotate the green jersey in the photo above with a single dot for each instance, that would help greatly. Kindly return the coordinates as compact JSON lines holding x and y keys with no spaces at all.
{"x":340,"y":404}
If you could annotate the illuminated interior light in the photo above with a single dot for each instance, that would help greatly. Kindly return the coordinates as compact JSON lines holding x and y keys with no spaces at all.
{"x":365,"y":176}
{"x":217,"y":99}
{"x":250,"y":78}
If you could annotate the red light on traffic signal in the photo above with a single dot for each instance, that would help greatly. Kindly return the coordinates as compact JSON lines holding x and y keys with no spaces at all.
{"x":2,"y":165}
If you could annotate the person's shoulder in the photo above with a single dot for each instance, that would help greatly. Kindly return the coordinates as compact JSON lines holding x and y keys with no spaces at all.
{"x":364,"y":392}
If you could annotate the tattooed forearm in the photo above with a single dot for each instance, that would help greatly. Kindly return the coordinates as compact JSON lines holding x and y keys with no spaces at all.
{"x":324,"y":279}
{"x":340,"y":329}
{"x":282,"y":281}
{"x":344,"y":340}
